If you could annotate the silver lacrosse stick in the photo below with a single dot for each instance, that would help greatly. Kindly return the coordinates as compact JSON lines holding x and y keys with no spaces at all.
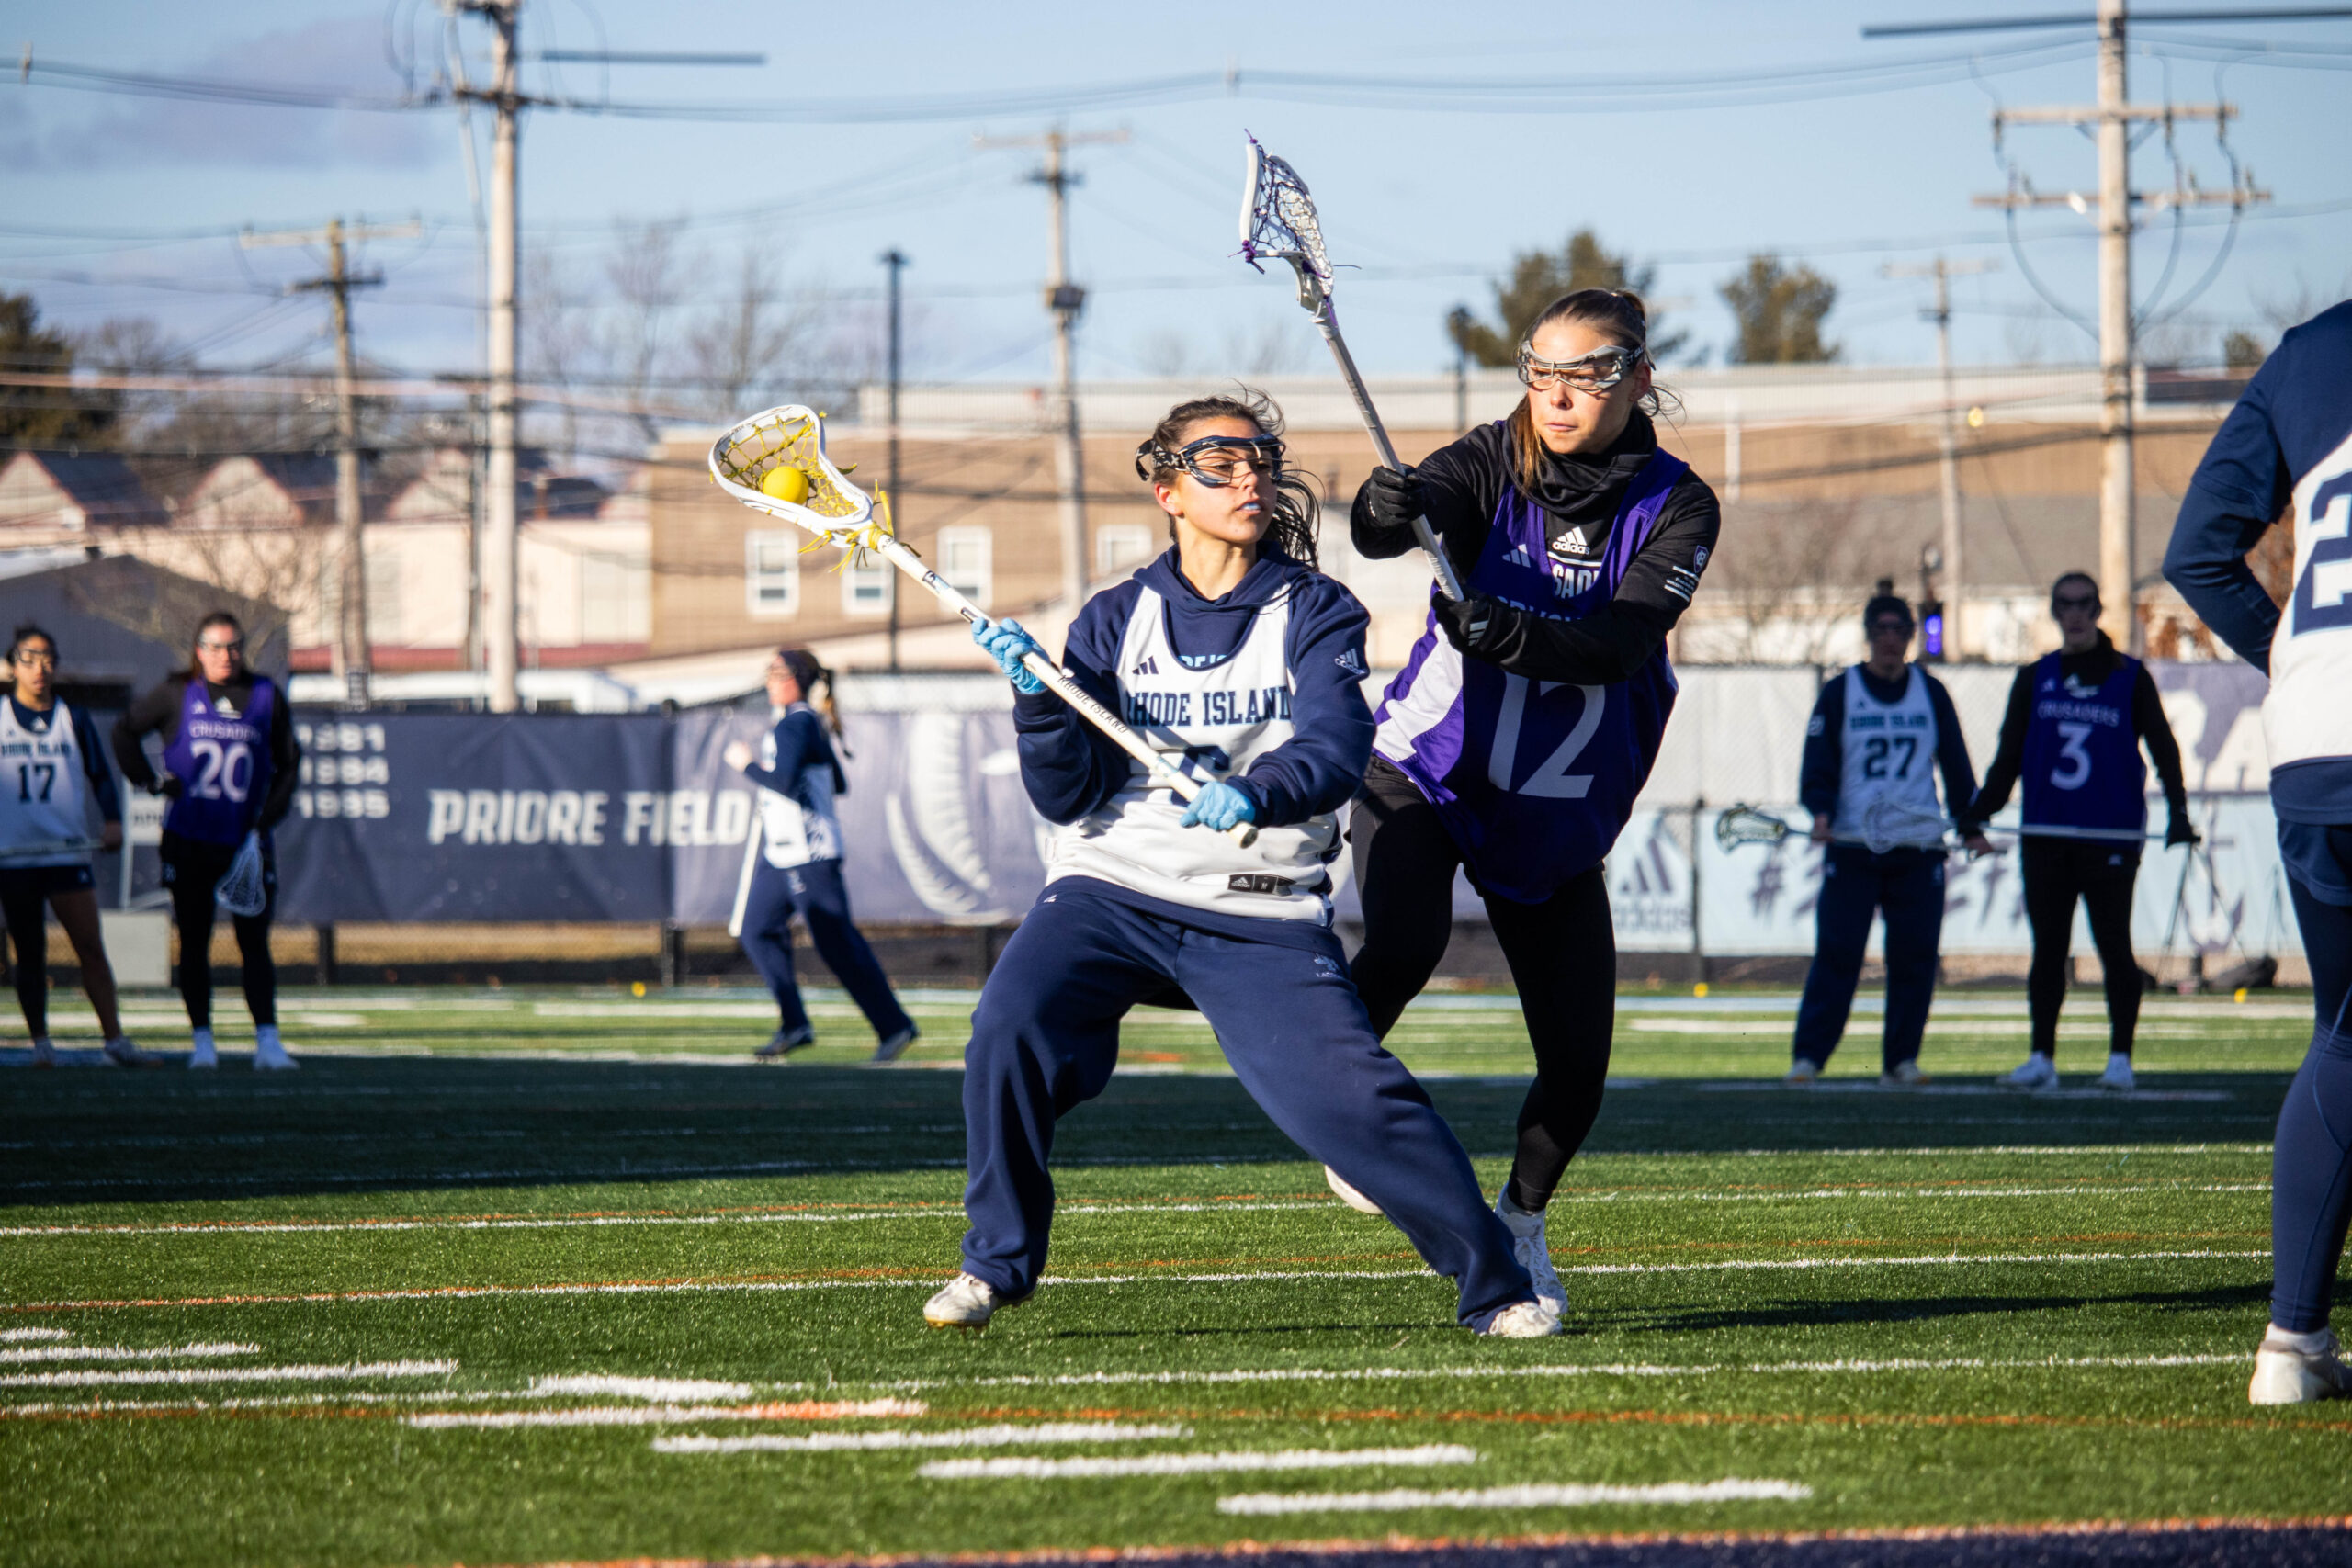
{"x":1745,"y":825}
{"x":1278,"y":219}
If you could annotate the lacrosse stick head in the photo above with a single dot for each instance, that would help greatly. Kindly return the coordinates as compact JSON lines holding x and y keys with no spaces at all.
{"x":1745,"y":825}
{"x":815,"y":495}
{"x":1278,"y":219}
{"x":1889,"y":823}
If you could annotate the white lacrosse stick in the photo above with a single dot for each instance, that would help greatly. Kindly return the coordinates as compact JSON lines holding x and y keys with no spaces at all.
{"x":1278,"y":219}
{"x":1745,"y":825}
{"x":774,"y":462}
{"x":46,"y":848}
{"x":1888,"y":823}
{"x":241,"y":889}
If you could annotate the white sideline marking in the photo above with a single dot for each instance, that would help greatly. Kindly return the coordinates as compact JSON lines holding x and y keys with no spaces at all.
{"x":12,"y":1335}
{"x":963,"y":1438}
{"x":122,"y":1353}
{"x":1194,"y":1464}
{"x":1576,"y":1369}
{"x":664,"y":1415}
{"x":230,"y":1374}
{"x":1979,"y":1092}
{"x":1538,"y":1496}
{"x":652,"y":1390}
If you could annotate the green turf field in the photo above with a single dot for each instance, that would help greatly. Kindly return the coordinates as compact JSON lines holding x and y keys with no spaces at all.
{"x":527,"y":1275}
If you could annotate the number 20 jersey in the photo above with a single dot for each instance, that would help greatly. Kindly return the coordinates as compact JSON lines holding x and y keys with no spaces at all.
{"x":1534,"y":779}
{"x":222,"y":761}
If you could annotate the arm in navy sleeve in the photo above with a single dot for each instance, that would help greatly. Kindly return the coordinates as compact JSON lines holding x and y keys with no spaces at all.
{"x":1323,"y":761}
{"x":1824,"y":763}
{"x":1069,"y":767}
{"x":94,"y":767}
{"x":285,"y":761}
{"x":2155,"y":733}
{"x":2009,"y":758}
{"x":1951,"y":756}
{"x":2237,"y":492}
{"x":792,"y":752}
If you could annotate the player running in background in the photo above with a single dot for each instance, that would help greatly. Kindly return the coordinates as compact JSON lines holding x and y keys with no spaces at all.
{"x":1514,"y":740}
{"x":52,"y":773}
{"x":2288,"y":444}
{"x":231,"y":766}
{"x":1237,"y":659}
{"x":1879,"y":734}
{"x":2076,"y":721}
{"x":797,"y":867}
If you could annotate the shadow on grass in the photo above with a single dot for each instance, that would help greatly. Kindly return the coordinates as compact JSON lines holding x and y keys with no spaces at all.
{"x":355,"y":1124}
{"x":1799,"y":1314}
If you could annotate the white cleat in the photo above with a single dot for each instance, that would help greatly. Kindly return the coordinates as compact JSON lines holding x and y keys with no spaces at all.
{"x":1803,"y":1071}
{"x":44,"y":1053}
{"x":123,"y":1054}
{"x":269,"y":1052}
{"x":2037,"y":1073}
{"x":2286,"y":1375}
{"x":202,"y":1055}
{"x":2118,"y":1076}
{"x":1347,"y":1193}
{"x":967,"y":1303}
{"x":1524,"y":1320}
{"x":1534,"y":1255}
{"x":1904,"y":1075}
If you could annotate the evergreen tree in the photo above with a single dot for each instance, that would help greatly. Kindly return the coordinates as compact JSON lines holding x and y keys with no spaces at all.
{"x":45,"y":416}
{"x":1538,"y":278}
{"x":1779,"y":314}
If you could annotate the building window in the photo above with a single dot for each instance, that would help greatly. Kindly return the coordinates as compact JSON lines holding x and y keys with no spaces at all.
{"x":963,"y":562}
{"x":1119,"y":546}
{"x":772,"y":574}
{"x":867,"y":587}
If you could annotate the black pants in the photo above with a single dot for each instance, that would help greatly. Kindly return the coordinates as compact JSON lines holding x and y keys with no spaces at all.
{"x":2057,"y":872}
{"x":24,"y":892}
{"x":1563,"y":957}
{"x":192,"y":869}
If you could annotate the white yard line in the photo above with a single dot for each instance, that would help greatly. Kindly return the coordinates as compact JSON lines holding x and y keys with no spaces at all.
{"x":961,"y":1437}
{"x":231,"y":1374}
{"x":17,"y":1336}
{"x":663,"y":1390}
{"x":123,"y":1353}
{"x":664,"y":1415}
{"x":1537,"y":1496}
{"x":1427,"y":1454}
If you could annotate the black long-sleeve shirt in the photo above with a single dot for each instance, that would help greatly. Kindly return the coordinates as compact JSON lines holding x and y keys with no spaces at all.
{"x":2091,"y":668}
{"x":1463,"y":484}
{"x":158,"y":713}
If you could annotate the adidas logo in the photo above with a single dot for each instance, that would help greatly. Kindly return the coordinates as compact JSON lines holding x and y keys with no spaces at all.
{"x":1572,"y":542}
{"x":1352,"y":662}
{"x":1148,"y":666}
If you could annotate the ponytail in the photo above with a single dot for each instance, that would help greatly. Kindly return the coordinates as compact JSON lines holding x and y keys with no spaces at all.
{"x":809,"y":674}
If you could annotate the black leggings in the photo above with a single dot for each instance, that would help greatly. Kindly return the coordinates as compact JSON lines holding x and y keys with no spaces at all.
{"x":1563,"y":956}
{"x":26,"y":902}
{"x":193,"y":868}
{"x":2057,"y":872}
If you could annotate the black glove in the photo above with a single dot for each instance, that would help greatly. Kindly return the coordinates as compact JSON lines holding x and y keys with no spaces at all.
{"x":1473,"y":625}
{"x":169,"y":786}
{"x":1394,"y":497}
{"x":2180,"y":832}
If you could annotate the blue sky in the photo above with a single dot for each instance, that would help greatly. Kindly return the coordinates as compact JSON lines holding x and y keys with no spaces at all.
{"x":1431,"y":203}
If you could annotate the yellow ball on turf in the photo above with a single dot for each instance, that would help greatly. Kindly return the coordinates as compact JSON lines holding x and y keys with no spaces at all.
{"x":785,"y":483}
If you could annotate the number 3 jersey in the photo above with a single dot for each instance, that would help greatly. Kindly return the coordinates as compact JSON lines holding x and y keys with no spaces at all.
{"x":221,"y":757}
{"x":2082,"y":752}
{"x":1534,"y":779}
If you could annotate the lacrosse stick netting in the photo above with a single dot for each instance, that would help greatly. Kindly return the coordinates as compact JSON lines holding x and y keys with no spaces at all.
{"x":838,"y":513}
{"x":1745,"y":825}
{"x":1278,"y":219}
{"x":242,"y":889}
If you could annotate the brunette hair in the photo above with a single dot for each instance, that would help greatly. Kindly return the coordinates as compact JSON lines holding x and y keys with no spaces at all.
{"x":1294,"y":506}
{"x":218,"y":618}
{"x":1619,"y":315}
{"x":808,"y":672}
{"x":2084,"y":578}
{"x":16,"y":638}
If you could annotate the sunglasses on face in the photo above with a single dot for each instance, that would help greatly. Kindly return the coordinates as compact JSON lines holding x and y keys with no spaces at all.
{"x":2062,"y":603}
{"x":1594,"y":372}
{"x":1891,"y":628}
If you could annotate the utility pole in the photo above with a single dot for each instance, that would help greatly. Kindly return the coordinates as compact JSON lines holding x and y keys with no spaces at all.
{"x":2111,"y":118}
{"x":896,"y":261}
{"x":1457,"y":322}
{"x":1943,"y":272}
{"x":1065,"y":300}
{"x":351,"y":607}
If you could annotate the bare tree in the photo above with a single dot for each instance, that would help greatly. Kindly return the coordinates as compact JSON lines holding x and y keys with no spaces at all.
{"x":645,"y":272}
{"x":1773,"y":590}
{"x":558,"y":348}
{"x":757,"y":336}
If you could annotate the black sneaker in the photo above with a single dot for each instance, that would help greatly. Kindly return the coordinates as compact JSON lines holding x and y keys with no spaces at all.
{"x":783,"y":1042}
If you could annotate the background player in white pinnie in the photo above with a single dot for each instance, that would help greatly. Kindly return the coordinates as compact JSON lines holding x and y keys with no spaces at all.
{"x":1240,"y":662}
{"x":53,"y":779}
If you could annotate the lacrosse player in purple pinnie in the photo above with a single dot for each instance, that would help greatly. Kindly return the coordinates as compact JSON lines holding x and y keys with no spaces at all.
{"x":1514,"y":740}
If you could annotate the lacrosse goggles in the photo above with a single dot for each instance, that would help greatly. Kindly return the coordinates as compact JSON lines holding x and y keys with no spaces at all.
{"x":1216,"y":460}
{"x":1594,"y":372}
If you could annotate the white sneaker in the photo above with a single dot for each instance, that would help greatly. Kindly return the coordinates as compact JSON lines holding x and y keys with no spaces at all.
{"x":2037,"y":1073}
{"x":1347,"y":1193}
{"x":966,"y":1302}
{"x":890,"y":1050}
{"x":201,"y":1056}
{"x":2118,"y":1072}
{"x":1804,"y":1070}
{"x":1905,"y":1075}
{"x":1524,"y":1320}
{"x":123,"y":1054}
{"x":44,"y":1053}
{"x":269,"y":1052}
{"x":2285,"y":1375}
{"x":1534,"y":1255}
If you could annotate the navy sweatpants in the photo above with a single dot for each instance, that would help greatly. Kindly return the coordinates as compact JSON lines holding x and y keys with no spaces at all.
{"x":1045,"y":1037}
{"x":815,"y":892}
{"x":2310,"y":1161}
{"x":1908,"y":886}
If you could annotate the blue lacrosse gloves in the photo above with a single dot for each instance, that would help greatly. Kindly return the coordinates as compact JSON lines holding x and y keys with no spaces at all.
{"x":1005,"y":642}
{"x":1220,"y":805}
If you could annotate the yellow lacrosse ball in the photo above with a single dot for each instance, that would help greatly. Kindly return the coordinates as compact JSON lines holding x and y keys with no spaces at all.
{"x":785,"y":483}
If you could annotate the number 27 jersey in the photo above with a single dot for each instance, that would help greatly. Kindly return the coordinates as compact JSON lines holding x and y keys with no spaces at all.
{"x":222,"y":761}
{"x":1534,"y":779}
